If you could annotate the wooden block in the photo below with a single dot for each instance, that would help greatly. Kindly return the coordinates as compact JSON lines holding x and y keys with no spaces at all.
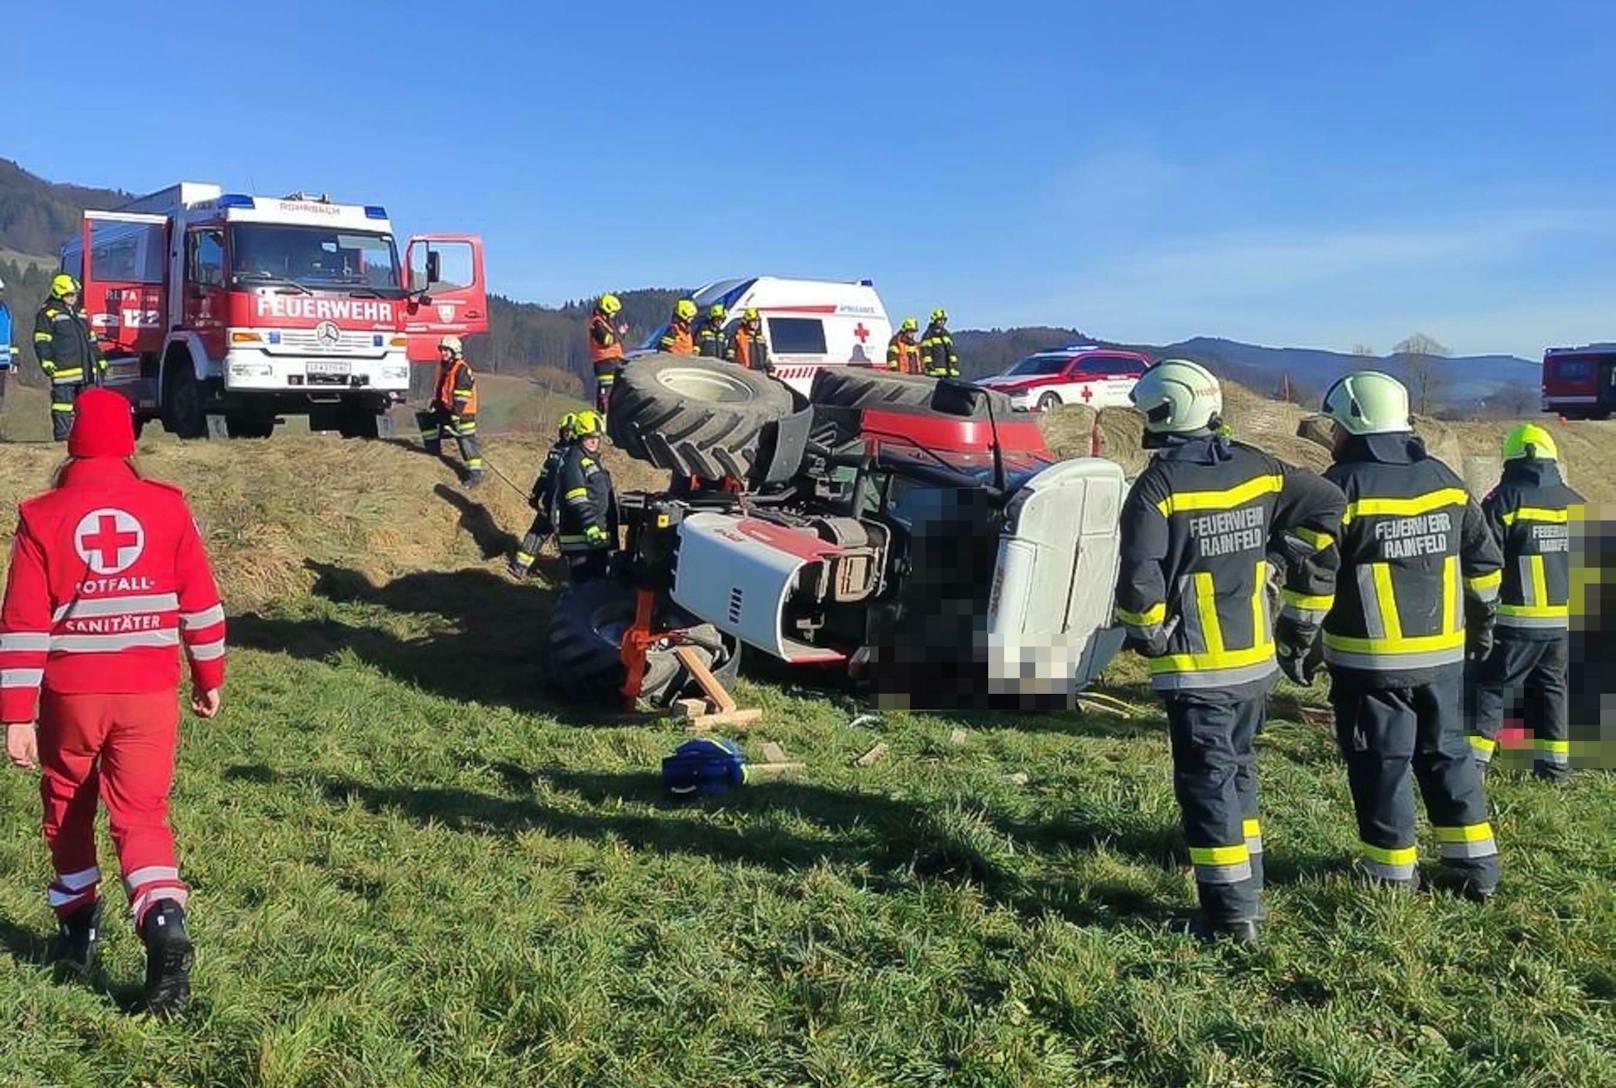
{"x":736,"y":719}
{"x":1317,"y":715}
{"x":870,"y":758}
{"x":958,"y":737}
{"x":689,"y":708}
{"x":773,"y":753}
{"x":722,"y":701}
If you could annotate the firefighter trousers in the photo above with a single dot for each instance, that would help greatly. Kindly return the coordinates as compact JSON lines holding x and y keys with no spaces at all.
{"x":1215,"y":781}
{"x":438,"y":424}
{"x":527,"y":552}
{"x":1528,"y":677}
{"x":1385,"y":733}
{"x":118,"y":749}
{"x":605,"y":378}
{"x":63,"y":394}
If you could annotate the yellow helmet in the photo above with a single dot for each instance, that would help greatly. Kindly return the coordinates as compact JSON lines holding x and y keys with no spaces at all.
{"x":750,"y":313}
{"x":684,"y":309}
{"x":716,"y":311}
{"x":909,"y":325}
{"x":609,"y":304}
{"x":585,"y":422}
{"x":1530,"y":440}
{"x":939,"y":314}
{"x":452,"y":343}
{"x":63,"y":285}
{"x":569,"y":424}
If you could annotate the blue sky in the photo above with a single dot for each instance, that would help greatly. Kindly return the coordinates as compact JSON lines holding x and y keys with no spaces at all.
{"x":1141,"y":171}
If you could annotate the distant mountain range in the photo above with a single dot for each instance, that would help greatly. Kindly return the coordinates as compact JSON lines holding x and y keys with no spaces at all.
{"x":547,"y":342}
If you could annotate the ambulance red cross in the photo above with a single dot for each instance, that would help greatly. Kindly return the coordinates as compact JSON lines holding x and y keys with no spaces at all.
{"x":109,"y":540}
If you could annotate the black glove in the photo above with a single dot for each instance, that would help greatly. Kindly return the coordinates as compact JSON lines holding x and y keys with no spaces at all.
{"x":1299,"y":650}
{"x":1479,"y":646}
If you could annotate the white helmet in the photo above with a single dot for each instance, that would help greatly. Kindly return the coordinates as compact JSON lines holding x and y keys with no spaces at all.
{"x":1178,"y":397}
{"x":452,"y":343}
{"x":1368,"y":402}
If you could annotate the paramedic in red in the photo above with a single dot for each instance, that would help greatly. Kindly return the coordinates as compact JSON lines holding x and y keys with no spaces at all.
{"x":108,"y":581}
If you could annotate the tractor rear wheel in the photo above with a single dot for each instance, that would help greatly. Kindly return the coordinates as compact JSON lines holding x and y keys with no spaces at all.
{"x":860,"y":387}
{"x":582,"y":647}
{"x":695,"y":416}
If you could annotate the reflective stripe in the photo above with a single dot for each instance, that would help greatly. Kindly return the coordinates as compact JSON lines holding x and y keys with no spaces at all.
{"x":1353,"y":653}
{"x":63,"y":377}
{"x":147,"y":873}
{"x":54,"y":898}
{"x":1155,"y":614}
{"x":206,"y":618}
{"x":1303,"y":607}
{"x":21,"y":642}
{"x":1221,"y":864}
{"x":1386,"y":599}
{"x":41,"y":337}
{"x":1206,"y":605}
{"x":208,"y":651}
{"x":525,"y":557}
{"x":1312,"y":538}
{"x":576,"y":493}
{"x":1367,"y":593}
{"x":176,"y":893}
{"x":1252,"y":830}
{"x":572,"y":538}
{"x":61,"y":407}
{"x":1224,"y":676}
{"x":1481,"y":584}
{"x":1396,"y":863}
{"x":1454,"y":596}
{"x":1419,"y":504}
{"x":1482,"y":747}
{"x":1556,"y":617}
{"x":103,"y":644}
{"x":1535,"y":513}
{"x":117,"y":606}
{"x":1540,"y":582}
{"x":1556,"y":753}
{"x":1469,"y":841}
{"x":1182,"y":501}
{"x":78,"y":881}
{"x":21,"y":678}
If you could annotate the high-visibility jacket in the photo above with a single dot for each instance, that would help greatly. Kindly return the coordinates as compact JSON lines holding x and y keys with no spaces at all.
{"x":710,"y":340}
{"x":584,"y":489}
{"x":677,"y":339}
{"x":1418,"y":565}
{"x":1200,"y":528}
{"x":605,"y":349}
{"x":903,"y":353}
{"x":1534,"y":515}
{"x":937,"y":349}
{"x":456,"y":389}
{"x":65,"y":346}
{"x":748,"y":348}
{"x":108,"y":580}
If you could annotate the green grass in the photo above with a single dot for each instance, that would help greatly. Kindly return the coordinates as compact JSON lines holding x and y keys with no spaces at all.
{"x":409,"y":869}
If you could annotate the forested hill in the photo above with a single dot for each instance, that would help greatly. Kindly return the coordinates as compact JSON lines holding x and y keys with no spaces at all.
{"x":36,"y":215}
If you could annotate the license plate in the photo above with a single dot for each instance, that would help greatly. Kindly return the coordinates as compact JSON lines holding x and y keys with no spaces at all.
{"x":330,"y":370}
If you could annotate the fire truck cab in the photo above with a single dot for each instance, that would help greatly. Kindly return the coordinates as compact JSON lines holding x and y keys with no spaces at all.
{"x":1580,"y":383}
{"x":222,"y":313}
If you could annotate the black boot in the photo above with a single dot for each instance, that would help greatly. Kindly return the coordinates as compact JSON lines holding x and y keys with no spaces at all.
{"x":78,"y":935}
{"x":1207,"y":931}
{"x":168,"y":958}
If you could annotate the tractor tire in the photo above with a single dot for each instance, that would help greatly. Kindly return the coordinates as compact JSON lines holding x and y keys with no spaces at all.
{"x":861,"y":387}
{"x":695,"y":416}
{"x":582,"y":646}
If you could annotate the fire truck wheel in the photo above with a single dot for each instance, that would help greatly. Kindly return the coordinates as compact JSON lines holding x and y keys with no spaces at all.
{"x":694,"y":416}
{"x":183,"y":403}
{"x":582,"y":647}
{"x":861,"y":387}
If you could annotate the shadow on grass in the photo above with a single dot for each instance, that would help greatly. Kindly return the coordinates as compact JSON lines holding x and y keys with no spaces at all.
{"x":28,"y":947}
{"x":493,"y":541}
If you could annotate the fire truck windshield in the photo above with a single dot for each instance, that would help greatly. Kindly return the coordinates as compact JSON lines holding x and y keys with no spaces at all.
{"x":313,"y":257}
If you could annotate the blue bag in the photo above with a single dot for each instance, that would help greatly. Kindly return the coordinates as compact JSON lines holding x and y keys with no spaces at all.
{"x":703,"y":767}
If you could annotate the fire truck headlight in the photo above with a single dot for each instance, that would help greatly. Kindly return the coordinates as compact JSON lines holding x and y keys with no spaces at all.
{"x":246,"y":338}
{"x":399,"y":342}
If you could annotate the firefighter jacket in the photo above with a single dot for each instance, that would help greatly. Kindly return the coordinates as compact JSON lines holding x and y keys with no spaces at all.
{"x":586,"y":514}
{"x":1418,"y":566}
{"x":748,"y":348}
{"x":605,"y":349}
{"x":677,"y":339}
{"x":108,"y":581}
{"x":1202,"y":529}
{"x":903,"y":354}
{"x":543,"y":496}
{"x":1534,"y":515}
{"x":456,"y":389}
{"x":937,"y":349}
{"x":66,"y":348}
{"x":710,"y":340}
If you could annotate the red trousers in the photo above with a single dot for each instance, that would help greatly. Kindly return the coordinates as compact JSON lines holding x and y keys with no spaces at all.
{"x":119,"y":748}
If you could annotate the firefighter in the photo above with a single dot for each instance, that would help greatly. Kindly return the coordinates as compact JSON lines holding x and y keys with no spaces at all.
{"x":587,"y":512}
{"x":677,"y":339}
{"x":1200,"y":528}
{"x":108,"y":580}
{"x":746,"y":344}
{"x":1419,"y":582}
{"x":1532,"y":512}
{"x":903,"y":350}
{"x":453,"y":413}
{"x":710,"y":338}
{"x":605,"y":347}
{"x":937,"y":347}
{"x":67,"y":351}
{"x":542,"y":499}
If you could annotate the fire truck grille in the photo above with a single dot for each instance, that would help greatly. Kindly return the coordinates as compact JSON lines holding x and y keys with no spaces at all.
{"x":348,"y":343}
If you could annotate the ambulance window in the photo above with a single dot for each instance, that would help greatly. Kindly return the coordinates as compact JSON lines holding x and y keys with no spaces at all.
{"x":796,"y":336}
{"x":204,"y":257}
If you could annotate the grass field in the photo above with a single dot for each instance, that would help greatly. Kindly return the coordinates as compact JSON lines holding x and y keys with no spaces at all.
{"x":410,"y":868}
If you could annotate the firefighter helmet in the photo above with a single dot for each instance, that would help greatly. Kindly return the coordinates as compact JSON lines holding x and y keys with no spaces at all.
{"x":585,"y":422}
{"x":684,"y":309}
{"x":750,"y":314}
{"x":63,"y":285}
{"x":1368,"y":402}
{"x":451,"y":343}
{"x":1178,"y":397}
{"x":569,"y":424}
{"x":609,"y":305}
{"x":909,"y":325}
{"x":1530,"y":440}
{"x":939,"y":314}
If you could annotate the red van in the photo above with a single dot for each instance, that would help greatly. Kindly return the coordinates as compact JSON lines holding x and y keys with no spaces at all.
{"x":1580,"y":383}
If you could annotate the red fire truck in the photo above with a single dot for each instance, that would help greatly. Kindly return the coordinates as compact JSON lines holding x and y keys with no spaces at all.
{"x":1580,"y":383}
{"x":223,"y":313}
